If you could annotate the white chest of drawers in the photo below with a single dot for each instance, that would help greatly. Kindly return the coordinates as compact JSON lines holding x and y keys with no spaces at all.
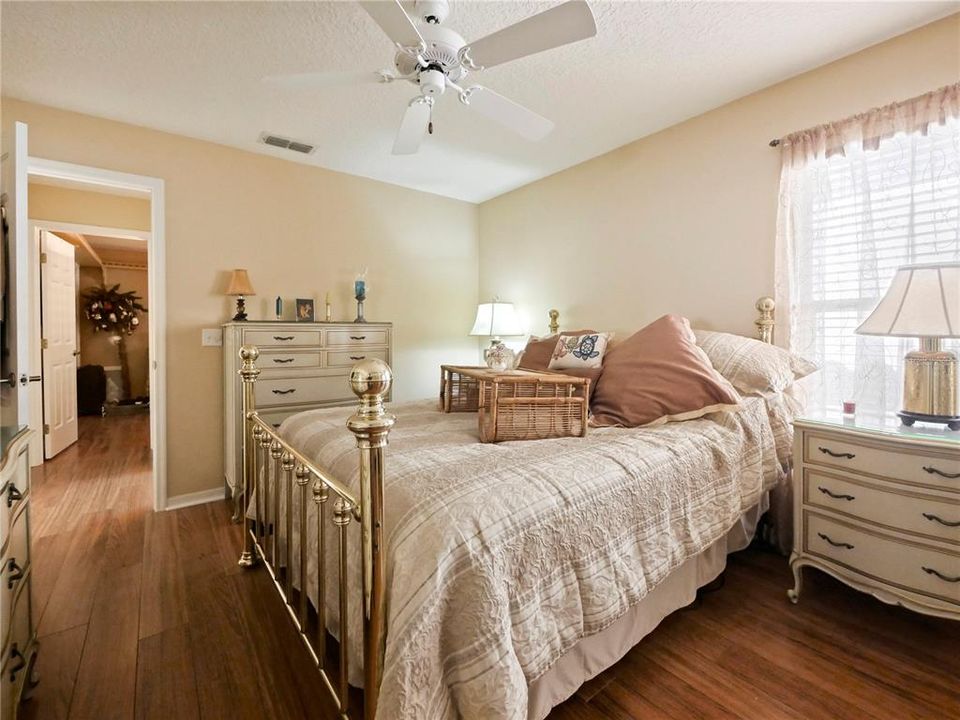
{"x":303,"y":366}
{"x":878,"y":506}
{"x":18,"y":646}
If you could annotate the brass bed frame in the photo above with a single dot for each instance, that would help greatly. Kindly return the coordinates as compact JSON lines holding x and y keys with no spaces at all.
{"x":284,"y":468}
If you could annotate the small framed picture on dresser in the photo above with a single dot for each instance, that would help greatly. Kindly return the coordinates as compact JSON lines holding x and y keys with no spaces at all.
{"x":305,"y":310}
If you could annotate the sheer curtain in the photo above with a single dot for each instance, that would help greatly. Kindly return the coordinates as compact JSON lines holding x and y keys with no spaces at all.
{"x":857,"y":200}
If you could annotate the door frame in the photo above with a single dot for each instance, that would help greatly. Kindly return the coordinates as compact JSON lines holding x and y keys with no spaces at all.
{"x":156,"y":295}
{"x":34,"y":226}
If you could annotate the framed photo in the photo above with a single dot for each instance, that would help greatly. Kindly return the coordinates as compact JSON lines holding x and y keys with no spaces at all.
{"x":305,"y":310}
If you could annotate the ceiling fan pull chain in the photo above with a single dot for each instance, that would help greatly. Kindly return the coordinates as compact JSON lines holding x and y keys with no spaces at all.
{"x":430,"y":122}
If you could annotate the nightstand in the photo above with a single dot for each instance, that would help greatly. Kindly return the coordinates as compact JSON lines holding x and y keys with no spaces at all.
{"x":877,"y":505}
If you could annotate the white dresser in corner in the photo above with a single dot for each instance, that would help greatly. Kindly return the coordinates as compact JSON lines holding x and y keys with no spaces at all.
{"x":19,"y":641}
{"x":877,"y":505}
{"x":303,"y":366}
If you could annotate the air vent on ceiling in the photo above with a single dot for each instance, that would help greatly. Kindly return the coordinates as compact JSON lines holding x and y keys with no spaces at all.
{"x":286,"y":143}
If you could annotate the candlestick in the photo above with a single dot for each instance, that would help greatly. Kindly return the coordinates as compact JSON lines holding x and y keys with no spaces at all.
{"x":278,"y":306}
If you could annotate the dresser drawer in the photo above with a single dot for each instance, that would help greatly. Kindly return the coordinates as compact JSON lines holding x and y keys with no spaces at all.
{"x":907,"y":565}
{"x":848,"y":453}
{"x":275,"y":338}
{"x":283,"y":360}
{"x":894,"y":506}
{"x":349,"y":358}
{"x":295,"y":391}
{"x":360,"y":336}
{"x":14,"y":494}
{"x":16,"y":654}
{"x":16,"y":564}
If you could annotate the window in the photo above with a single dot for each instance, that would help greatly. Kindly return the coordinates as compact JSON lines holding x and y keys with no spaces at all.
{"x":857,"y":217}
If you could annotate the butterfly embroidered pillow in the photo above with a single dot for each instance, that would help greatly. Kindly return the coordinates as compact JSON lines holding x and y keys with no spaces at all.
{"x":579,"y":351}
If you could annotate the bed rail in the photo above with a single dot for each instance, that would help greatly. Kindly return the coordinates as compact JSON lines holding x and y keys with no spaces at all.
{"x":286,"y":477}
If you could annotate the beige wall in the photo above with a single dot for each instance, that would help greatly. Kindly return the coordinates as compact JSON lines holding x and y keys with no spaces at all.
{"x":301,"y":231}
{"x":82,"y":207}
{"x":684,"y":220}
{"x":95,"y":347}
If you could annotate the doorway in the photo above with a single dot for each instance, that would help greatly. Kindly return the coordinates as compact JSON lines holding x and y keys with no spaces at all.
{"x":115,"y":257}
{"x":92,"y":329}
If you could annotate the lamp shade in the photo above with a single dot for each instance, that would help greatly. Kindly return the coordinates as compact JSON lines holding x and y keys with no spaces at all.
{"x":922,"y":301}
{"x":240,"y":283}
{"x":496,"y":318}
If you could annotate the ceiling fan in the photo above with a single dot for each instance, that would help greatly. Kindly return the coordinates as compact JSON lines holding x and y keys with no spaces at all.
{"x":436,"y":58}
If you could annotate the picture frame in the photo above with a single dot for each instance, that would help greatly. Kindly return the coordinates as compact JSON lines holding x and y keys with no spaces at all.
{"x":305,"y":310}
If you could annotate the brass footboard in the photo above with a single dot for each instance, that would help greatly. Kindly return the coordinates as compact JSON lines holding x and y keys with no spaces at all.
{"x":285,"y":477}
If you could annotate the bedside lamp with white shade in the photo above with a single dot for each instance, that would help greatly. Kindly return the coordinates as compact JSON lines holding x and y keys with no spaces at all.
{"x":495,"y":319}
{"x":923,"y":301}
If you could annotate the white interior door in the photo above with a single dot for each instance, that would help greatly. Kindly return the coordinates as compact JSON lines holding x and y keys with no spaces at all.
{"x":15,"y":310}
{"x":58,"y":302}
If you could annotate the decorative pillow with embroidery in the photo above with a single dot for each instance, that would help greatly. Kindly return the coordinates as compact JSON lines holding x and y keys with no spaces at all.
{"x":579,"y":351}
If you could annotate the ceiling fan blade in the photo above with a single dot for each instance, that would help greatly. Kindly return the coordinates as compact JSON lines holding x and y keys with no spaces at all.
{"x":560,"y":25}
{"x":298,"y":81}
{"x":394,"y":21}
{"x":413,"y":127}
{"x":512,"y":116}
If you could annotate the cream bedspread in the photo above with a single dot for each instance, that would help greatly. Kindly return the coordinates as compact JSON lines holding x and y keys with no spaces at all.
{"x":501,"y":557}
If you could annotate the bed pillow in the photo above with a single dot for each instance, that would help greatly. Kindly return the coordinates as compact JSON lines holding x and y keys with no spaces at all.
{"x":538,"y":352}
{"x":752,"y":366}
{"x":579,"y":351}
{"x":536,"y":356}
{"x":659,"y":375}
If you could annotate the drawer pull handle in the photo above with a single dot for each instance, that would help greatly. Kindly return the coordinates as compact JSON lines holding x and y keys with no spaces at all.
{"x":933,"y":471}
{"x":835,"y":496}
{"x":844,"y":545}
{"x":15,"y":572}
{"x":358,"y":357}
{"x":358,"y":337}
{"x":21,"y":663}
{"x":284,"y":392}
{"x":934,"y":518}
{"x":831,"y":453}
{"x":13,"y":495}
{"x":283,"y":338}
{"x":945,"y":578}
{"x":283,"y":360}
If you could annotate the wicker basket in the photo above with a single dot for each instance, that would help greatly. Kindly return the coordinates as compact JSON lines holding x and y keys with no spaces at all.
{"x":518,"y":404}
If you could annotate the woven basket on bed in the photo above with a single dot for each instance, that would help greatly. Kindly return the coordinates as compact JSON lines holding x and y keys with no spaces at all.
{"x":517,"y":404}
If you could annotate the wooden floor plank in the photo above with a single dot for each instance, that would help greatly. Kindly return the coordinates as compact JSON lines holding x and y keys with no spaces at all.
{"x":163,"y":602}
{"x":56,"y":666}
{"x":107,"y":679}
{"x":166,"y":683}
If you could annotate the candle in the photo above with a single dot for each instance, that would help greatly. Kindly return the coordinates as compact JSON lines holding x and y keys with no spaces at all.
{"x":328,"y":315}
{"x":279,"y":306}
{"x":359,"y":288}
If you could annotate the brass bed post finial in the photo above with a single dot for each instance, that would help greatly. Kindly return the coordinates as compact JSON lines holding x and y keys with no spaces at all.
{"x":370,"y":381}
{"x":765,"y":323}
{"x":554,"y":324}
{"x":249,"y":372}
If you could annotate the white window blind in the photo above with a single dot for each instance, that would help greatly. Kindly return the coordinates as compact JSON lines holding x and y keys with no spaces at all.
{"x":857,"y":218}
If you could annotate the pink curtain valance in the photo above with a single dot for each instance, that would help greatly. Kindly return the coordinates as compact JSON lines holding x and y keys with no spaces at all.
{"x":869,"y":128}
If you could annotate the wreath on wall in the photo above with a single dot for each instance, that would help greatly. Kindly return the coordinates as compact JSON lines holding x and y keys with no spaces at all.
{"x":117,"y":313}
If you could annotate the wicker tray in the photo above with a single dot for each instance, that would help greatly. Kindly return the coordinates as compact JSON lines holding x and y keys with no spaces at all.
{"x":517,"y":404}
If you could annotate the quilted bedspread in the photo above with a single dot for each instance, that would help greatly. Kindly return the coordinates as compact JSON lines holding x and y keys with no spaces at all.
{"x":501,"y":557}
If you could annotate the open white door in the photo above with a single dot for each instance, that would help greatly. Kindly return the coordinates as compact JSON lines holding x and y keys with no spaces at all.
{"x":58,"y":300}
{"x":15,"y":355}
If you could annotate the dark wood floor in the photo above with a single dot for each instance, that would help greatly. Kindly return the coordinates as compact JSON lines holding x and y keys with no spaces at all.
{"x":147,"y":615}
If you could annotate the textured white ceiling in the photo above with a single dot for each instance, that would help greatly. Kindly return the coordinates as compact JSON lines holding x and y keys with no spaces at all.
{"x":196,"y":68}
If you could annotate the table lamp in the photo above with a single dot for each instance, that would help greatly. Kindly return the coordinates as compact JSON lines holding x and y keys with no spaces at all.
{"x":493,"y":320}
{"x":240,"y":286}
{"x":923,"y":301}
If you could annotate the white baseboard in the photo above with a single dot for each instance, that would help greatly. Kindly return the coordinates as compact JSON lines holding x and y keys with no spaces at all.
{"x":194,"y":498}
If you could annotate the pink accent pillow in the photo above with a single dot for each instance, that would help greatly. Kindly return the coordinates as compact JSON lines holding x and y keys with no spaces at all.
{"x":659,"y":375}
